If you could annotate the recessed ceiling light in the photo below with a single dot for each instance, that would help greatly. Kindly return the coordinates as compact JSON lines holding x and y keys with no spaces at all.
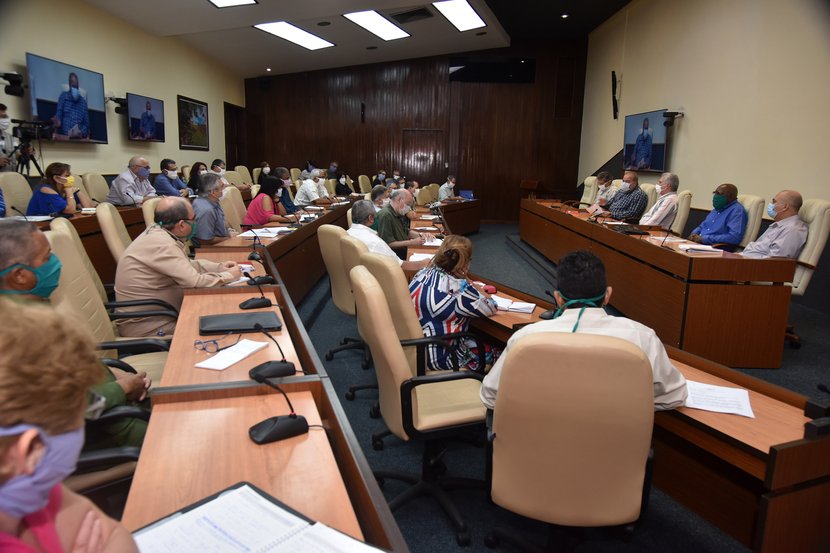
{"x":324,"y":23}
{"x":268,"y":69}
{"x":376,"y":24}
{"x":294,"y":34}
{"x":231,"y":3}
{"x":564,"y":16}
{"x":460,"y":14}
{"x":371,"y":47}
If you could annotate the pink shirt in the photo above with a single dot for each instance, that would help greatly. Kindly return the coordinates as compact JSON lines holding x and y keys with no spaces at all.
{"x":42,"y":526}
{"x":257,"y":215}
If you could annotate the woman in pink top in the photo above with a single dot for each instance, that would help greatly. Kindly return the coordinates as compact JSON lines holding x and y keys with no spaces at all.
{"x":266,"y":207}
{"x":47,"y":365}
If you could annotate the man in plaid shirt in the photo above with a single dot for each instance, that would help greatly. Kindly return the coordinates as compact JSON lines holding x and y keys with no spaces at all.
{"x":630,"y":201}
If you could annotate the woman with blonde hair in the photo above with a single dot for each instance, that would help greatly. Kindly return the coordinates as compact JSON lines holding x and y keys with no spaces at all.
{"x":445,"y":301}
{"x":47,"y":366}
{"x":57,"y":194}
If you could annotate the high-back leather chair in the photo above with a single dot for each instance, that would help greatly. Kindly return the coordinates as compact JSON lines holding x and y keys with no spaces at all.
{"x":423,"y":408}
{"x":589,"y":191}
{"x":96,"y":186}
{"x":234,"y":178}
{"x":754,"y":206}
{"x":148,"y":210}
{"x":295,"y":173}
{"x":349,"y":218}
{"x":364,"y":183}
{"x":350,"y":251}
{"x":341,"y":289}
{"x":816,"y":214}
{"x":62,"y":225}
{"x":559,"y":454}
{"x":350,"y":183}
{"x":16,"y":192}
{"x":244,"y":173}
{"x":185,"y":169}
{"x":331,"y":186}
{"x":233,"y":207}
{"x":651,"y":194}
{"x":256,"y":174}
{"x":113,"y":229}
{"x":684,"y":205}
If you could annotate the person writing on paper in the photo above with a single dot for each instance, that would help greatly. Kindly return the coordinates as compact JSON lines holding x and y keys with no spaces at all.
{"x":363,"y":216}
{"x":604,"y":189}
{"x":393,"y":224}
{"x":581,"y":294}
{"x":71,"y":117}
{"x":629,"y":201}
{"x":664,"y":210}
{"x":266,"y":207}
{"x":168,"y":183}
{"x":211,"y":227}
{"x":445,"y":302}
{"x":156,"y":266}
{"x":445,"y":192}
{"x":786,"y":236}
{"x":132,"y":187}
{"x":726,"y":223}
{"x":313,"y":191}
{"x":47,"y":364}
{"x":57,"y":194}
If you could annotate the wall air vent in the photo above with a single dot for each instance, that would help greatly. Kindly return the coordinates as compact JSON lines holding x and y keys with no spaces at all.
{"x":412,"y":15}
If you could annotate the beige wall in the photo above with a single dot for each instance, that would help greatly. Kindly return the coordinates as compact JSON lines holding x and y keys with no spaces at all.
{"x":73,"y":32}
{"x":752,"y":76}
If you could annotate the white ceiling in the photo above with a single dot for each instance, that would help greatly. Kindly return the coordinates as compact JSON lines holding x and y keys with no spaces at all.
{"x":227,"y":35}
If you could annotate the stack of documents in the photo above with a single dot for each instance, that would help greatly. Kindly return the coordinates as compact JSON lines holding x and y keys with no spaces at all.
{"x":699,"y":248}
{"x":267,"y":232}
{"x":429,"y":217}
{"x":231,"y":356}
{"x":88,"y":211}
{"x":719,"y":399}
{"x":426,"y":229}
{"x":505,"y":304}
{"x":433,"y":242}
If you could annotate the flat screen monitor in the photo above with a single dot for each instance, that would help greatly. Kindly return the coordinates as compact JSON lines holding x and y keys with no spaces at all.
{"x":69,"y":97}
{"x":645,"y":142}
{"x":145,"y":118}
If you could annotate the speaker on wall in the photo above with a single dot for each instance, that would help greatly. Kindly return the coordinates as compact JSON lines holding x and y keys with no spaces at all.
{"x":614,"y":106}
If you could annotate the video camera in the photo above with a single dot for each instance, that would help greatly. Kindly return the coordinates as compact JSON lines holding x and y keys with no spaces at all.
{"x":26,"y":131}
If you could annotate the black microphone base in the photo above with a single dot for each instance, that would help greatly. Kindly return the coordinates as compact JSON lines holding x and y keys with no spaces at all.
{"x":260,"y":280}
{"x":255,"y":303}
{"x":254,"y":256}
{"x":272,"y":369}
{"x":547,"y":315}
{"x":278,"y":428}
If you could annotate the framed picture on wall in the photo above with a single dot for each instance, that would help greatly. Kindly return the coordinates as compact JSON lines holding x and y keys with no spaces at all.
{"x":193,"y":124}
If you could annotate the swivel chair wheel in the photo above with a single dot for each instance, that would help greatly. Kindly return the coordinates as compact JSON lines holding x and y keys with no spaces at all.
{"x":374,"y":411}
{"x":377,"y":444}
{"x":350,"y":395}
{"x":462,"y":538}
{"x":491,"y":541}
{"x":329,"y":356}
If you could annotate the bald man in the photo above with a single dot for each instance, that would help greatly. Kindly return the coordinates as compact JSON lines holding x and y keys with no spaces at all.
{"x":786,"y":236}
{"x":132,"y":187}
{"x":156,"y":266}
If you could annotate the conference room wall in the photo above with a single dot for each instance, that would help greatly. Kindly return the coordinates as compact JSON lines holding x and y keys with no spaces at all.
{"x":131,"y":60}
{"x":490,"y":135}
{"x":751,"y":76}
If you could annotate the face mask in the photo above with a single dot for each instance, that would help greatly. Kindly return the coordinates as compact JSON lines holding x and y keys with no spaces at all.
{"x":332,"y":168}
{"x":266,"y":170}
{"x":143,"y":172}
{"x":279,"y":193}
{"x":286,"y":182}
{"x":406,"y":209}
{"x":47,"y":276}
{"x":190,"y":234}
{"x":172,"y":175}
{"x":75,"y":92}
{"x":771,"y":210}
{"x":658,"y":189}
{"x":27,"y":494}
{"x":202,"y":172}
{"x":385,"y":202}
{"x":381,"y":176}
{"x":342,"y":180}
{"x":4,"y":123}
{"x":719,"y":201}
{"x":220,"y":172}
{"x":588,"y":301}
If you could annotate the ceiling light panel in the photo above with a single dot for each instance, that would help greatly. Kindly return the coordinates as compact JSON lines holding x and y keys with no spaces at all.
{"x":376,"y":24}
{"x":231,"y":3}
{"x":461,"y":14}
{"x":294,"y":34}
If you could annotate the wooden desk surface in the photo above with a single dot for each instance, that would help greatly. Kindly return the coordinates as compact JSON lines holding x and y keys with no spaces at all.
{"x":238,"y":257}
{"x":180,"y":368}
{"x":196,"y":448}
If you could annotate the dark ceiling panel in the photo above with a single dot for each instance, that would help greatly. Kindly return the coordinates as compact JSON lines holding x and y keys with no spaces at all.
{"x":541,"y":20}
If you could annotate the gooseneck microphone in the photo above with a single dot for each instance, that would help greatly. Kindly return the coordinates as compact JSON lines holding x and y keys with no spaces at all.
{"x":662,"y":244}
{"x":255,"y":303}
{"x":547,"y":315}
{"x":278,"y":428}
{"x":254,"y":255}
{"x":271,"y":369}
{"x":20,"y":212}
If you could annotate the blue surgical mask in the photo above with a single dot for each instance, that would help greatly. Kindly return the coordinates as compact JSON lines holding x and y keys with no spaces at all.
{"x":75,"y":92}
{"x":587,"y":301}
{"x":771,"y":210}
{"x":143,"y":172}
{"x":29,"y":493}
{"x":47,"y":276}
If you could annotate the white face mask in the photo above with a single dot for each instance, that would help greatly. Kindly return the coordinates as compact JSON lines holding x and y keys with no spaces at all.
{"x":658,"y":188}
{"x":5,"y":122}
{"x":171,"y":174}
{"x":266,"y":170}
{"x":202,"y":172}
{"x":220,"y":172}
{"x":452,"y":184}
{"x":342,"y":180}
{"x":385,"y":202}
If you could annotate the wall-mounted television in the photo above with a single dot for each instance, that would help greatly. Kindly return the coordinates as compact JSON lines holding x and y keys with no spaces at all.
{"x":145,"y":118}
{"x":644,"y":146}
{"x":69,"y":97}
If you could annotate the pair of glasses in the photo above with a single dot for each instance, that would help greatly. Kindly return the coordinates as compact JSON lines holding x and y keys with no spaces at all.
{"x":95,"y":406}
{"x":212,"y":346}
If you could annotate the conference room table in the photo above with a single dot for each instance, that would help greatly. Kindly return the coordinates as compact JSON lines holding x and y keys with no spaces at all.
{"x":722,"y":306}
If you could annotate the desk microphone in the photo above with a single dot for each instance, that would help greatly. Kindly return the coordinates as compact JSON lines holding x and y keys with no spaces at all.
{"x":255,"y":303}
{"x":273,"y":429}
{"x":21,"y":213}
{"x":254,"y":255}
{"x":662,"y":244}
{"x":550,"y":313}
{"x":271,"y":369}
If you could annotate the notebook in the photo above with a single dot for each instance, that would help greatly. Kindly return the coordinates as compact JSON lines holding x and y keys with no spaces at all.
{"x":238,"y":323}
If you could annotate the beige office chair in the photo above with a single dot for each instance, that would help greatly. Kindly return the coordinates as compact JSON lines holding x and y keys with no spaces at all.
{"x":684,"y":205}
{"x":79,"y":184}
{"x":349,"y":218}
{"x":364,"y":183}
{"x":257,"y":173}
{"x":113,"y":229}
{"x":62,"y":225}
{"x":434,"y":189}
{"x":331,"y":186}
{"x":295,"y":173}
{"x":350,"y":251}
{"x":589,"y":191}
{"x":350,"y":183}
{"x":254,"y":190}
{"x":651,"y":194}
{"x":185,"y":169}
{"x":425,"y":408}
{"x":425,"y":196}
{"x":244,"y":173}
{"x":16,"y":193}
{"x":559,"y":454}
{"x":148,"y":210}
{"x":617,"y":183}
{"x":234,"y":178}
{"x":754,"y":206}
{"x":234,"y":208}
{"x":96,"y":186}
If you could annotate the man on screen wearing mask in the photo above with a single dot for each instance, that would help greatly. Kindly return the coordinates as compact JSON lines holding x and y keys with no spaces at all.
{"x":726,"y":223}
{"x":147,"y":123}
{"x":786,"y":236}
{"x":445,"y":192}
{"x":641,"y":157}
{"x":156,"y":266}
{"x":168,"y":183}
{"x":581,"y":294}
{"x":71,"y":117}
{"x":393,"y":226}
{"x":664,"y":210}
{"x":132,"y":187}
{"x":7,"y":143}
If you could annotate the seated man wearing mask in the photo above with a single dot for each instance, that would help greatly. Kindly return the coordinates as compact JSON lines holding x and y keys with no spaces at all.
{"x":393,"y":225}
{"x":211,"y":226}
{"x":786,"y":236}
{"x":132,"y":187}
{"x":630,"y":201}
{"x":604,"y":189}
{"x":156,"y":266}
{"x":664,"y":209}
{"x":218,"y":167}
{"x":284,"y":175}
{"x":313,"y":191}
{"x":363,"y":215}
{"x":168,"y":183}
{"x":726,"y":223}
{"x":581,"y":294}
{"x":445,"y":192}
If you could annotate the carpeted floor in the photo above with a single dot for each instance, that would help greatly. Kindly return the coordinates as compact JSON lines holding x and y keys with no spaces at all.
{"x":667,"y":525}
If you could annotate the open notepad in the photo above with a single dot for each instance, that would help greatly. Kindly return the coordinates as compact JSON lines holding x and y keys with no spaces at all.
{"x":505,"y":304}
{"x":242,"y":518}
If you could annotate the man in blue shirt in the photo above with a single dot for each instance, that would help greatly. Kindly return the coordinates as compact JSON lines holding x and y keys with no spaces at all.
{"x":2,"y":205}
{"x":72,"y":115}
{"x":726,"y":223}
{"x":168,"y":183}
{"x":211,"y":226}
{"x":147,"y":124}
{"x":641,"y":158}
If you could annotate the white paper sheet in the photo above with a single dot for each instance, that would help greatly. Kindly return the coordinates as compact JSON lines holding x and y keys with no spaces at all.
{"x":429,"y":217}
{"x":502,"y":303}
{"x":33,"y":218}
{"x":522,"y":307}
{"x":699,"y":248}
{"x":425,"y":229}
{"x":232,"y":355}
{"x":420,"y":256}
{"x":267,"y":232}
{"x":435,"y":242}
{"x":719,"y":399}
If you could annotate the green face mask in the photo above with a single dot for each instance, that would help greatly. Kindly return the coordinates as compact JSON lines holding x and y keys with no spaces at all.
{"x":719,"y":201}
{"x":192,"y":232}
{"x":586,"y":302}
